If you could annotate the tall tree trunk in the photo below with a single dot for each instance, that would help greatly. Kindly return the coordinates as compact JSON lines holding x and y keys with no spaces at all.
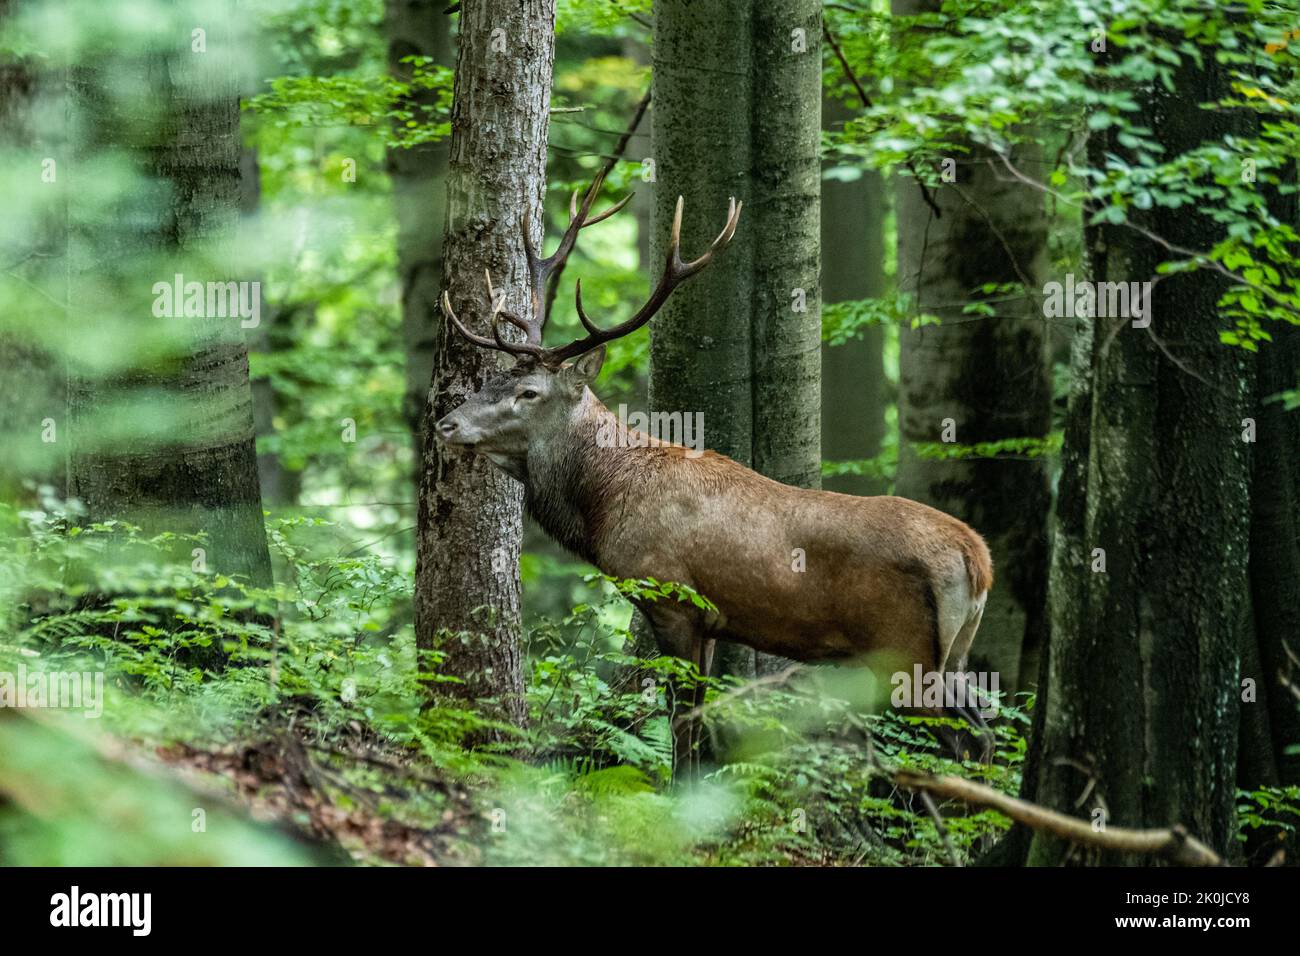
{"x":467,"y":549}
{"x":853,"y":267}
{"x":418,"y":174}
{"x":1271,"y":723}
{"x":700,"y":342}
{"x":785,"y":206}
{"x":988,"y":377}
{"x":195,"y":468}
{"x":1070,"y":550}
{"x":33,"y":415}
{"x":737,"y":113}
{"x":1275,"y":554}
{"x":1143,"y":700}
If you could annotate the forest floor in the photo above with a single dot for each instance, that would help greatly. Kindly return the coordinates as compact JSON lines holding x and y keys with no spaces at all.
{"x":285,"y":781}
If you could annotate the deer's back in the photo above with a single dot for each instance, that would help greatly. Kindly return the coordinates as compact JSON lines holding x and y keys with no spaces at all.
{"x":804,"y":573}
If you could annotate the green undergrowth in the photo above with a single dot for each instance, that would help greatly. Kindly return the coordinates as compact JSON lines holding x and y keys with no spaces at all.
{"x":311,"y":702}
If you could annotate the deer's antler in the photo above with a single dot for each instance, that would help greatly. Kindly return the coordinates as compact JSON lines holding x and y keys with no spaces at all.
{"x":543,"y":271}
{"x":675,"y":273}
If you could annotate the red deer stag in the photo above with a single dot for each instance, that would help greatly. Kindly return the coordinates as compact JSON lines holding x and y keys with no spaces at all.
{"x":883,"y":575}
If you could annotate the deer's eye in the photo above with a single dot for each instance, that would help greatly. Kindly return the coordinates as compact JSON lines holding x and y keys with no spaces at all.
{"x":528,"y":393}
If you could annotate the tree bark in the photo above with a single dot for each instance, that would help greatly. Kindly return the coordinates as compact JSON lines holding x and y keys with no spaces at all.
{"x":989,"y":376}
{"x":700,"y":342}
{"x":785,"y":203}
{"x":194,"y":469}
{"x":1143,"y":696}
{"x":853,"y":267}
{"x":737,"y":113}
{"x":467,"y":549}
{"x":785,"y":207}
{"x":1271,"y":723}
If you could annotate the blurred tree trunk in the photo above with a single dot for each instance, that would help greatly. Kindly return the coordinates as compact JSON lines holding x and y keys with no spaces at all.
{"x":853,"y":267}
{"x":33,"y":380}
{"x":194,"y":467}
{"x":989,"y":376}
{"x":419,"y":177}
{"x":1143,"y":700}
{"x":467,"y":548}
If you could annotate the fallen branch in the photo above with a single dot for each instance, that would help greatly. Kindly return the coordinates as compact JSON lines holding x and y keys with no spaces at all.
{"x":1174,"y":844}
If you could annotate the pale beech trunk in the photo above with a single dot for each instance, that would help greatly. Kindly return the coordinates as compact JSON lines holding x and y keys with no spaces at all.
{"x":785,"y":210}
{"x":700,"y":342}
{"x":737,"y":94}
{"x":785,"y":203}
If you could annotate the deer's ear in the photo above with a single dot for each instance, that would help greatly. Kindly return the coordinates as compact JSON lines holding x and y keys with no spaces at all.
{"x":585,"y":368}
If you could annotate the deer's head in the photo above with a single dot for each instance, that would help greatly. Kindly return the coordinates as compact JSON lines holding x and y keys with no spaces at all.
{"x":537,"y":400}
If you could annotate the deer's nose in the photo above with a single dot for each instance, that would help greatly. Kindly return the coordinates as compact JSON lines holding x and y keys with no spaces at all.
{"x":447,"y":427}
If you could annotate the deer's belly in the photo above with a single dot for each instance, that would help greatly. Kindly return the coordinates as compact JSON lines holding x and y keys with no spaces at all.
{"x":801,"y":632}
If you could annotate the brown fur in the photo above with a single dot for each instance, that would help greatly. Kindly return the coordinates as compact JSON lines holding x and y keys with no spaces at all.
{"x":876,"y":567}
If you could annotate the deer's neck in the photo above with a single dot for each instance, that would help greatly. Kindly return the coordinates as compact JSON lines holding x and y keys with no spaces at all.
{"x":573,"y":481}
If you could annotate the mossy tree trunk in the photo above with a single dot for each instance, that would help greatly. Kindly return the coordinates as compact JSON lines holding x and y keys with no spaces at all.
{"x":737,"y":93}
{"x":1143,"y":696}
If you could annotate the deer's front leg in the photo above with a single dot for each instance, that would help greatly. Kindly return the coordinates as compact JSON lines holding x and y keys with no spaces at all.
{"x":681,"y":633}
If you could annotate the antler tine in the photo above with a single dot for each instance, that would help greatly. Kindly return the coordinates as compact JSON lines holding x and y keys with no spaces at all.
{"x":517,"y":349}
{"x":451,"y":314}
{"x":498,"y":308}
{"x":582,"y":316}
{"x":602,"y":216}
{"x":498,"y":314}
{"x":675,"y":272}
{"x":688,"y":269}
{"x":577,"y":219}
{"x":542,"y":270}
